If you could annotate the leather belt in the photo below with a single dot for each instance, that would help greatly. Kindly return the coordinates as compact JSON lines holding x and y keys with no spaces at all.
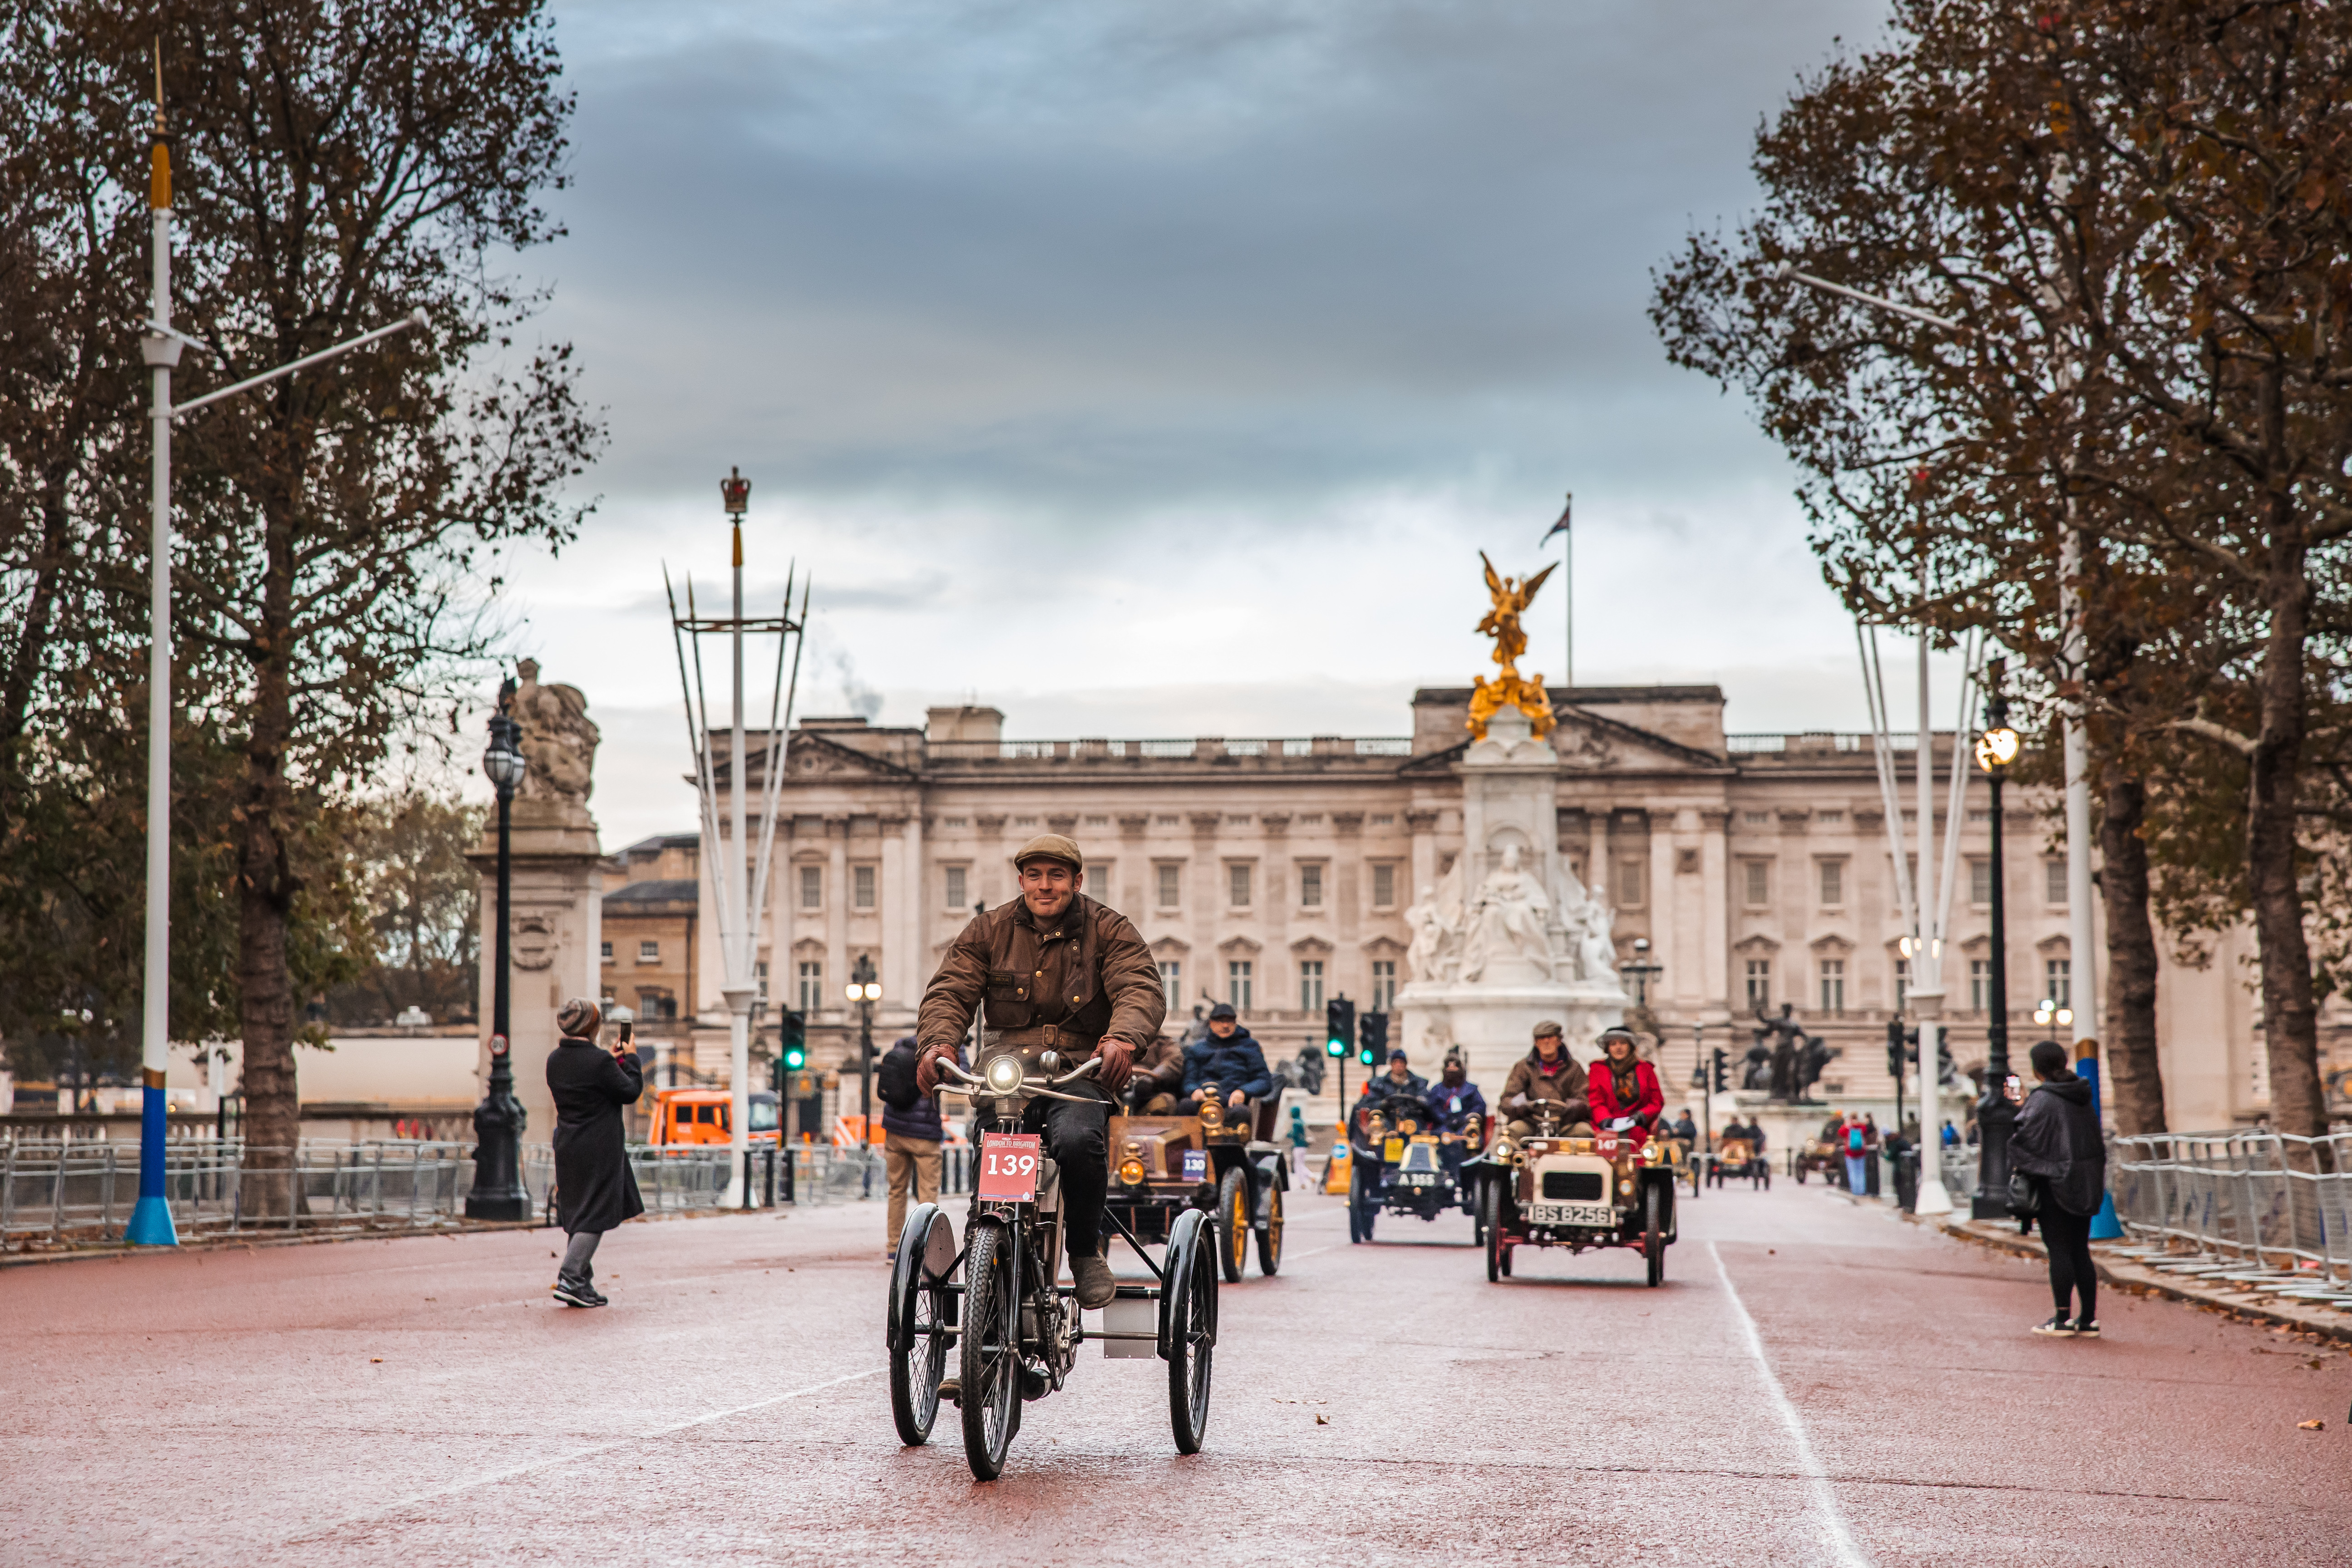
{"x":1045,"y":1037}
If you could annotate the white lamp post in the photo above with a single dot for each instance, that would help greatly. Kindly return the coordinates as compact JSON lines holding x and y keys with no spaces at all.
{"x":151,"y":1217}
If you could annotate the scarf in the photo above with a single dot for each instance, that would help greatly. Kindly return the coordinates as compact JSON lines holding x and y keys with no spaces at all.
{"x":1625,"y":1082}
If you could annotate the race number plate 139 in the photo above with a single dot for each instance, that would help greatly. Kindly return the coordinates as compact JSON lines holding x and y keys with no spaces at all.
{"x":1008,"y":1166}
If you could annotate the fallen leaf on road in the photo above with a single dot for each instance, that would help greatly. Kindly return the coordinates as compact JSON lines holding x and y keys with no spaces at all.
{"x":2311,"y":1425}
{"x":375,"y":1358}
{"x":1321,"y":1420}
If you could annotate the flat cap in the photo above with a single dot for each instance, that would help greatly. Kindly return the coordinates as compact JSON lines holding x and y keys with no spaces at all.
{"x":1548,"y":1026}
{"x":1051,"y":846}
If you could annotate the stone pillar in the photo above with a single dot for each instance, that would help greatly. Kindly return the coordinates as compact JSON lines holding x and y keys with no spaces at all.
{"x":1422,"y":824}
{"x":914,"y":916}
{"x":1278,"y":987}
{"x":891,"y":894}
{"x":1664,"y":950}
{"x":558,"y":890}
{"x":836,"y":910}
{"x":1714,"y":954}
{"x":1134,"y":865}
{"x":1207,"y":903}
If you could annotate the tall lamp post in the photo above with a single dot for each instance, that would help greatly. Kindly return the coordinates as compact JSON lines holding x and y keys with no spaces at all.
{"x":498,"y":1191}
{"x":865,"y":990}
{"x":1641,"y":972}
{"x":1996,"y":748}
{"x":161,"y":345}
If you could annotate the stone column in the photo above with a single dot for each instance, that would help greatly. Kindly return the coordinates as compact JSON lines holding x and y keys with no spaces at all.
{"x":992,"y":870}
{"x":891,"y":894}
{"x":1134,"y":862}
{"x":1664,"y":950}
{"x":1207,"y":904}
{"x":1277,"y":988}
{"x":914,"y":916}
{"x":1714,"y":922}
{"x":1602,"y":883}
{"x":836,"y":910}
{"x":1423,"y":825}
{"x":557,"y":888}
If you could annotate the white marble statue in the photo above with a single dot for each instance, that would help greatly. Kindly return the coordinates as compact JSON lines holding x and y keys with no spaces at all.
{"x":1436,"y":950}
{"x":1596,"y":949}
{"x":1510,"y":920}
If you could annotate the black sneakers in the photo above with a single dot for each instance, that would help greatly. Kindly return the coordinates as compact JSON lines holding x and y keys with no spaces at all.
{"x":2056,"y":1328}
{"x":578,"y":1294}
{"x":2086,"y":1328}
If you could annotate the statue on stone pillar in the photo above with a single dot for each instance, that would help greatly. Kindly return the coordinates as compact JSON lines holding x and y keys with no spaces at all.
{"x":559,"y":740}
{"x":1433,"y":953}
{"x":1509,"y":920}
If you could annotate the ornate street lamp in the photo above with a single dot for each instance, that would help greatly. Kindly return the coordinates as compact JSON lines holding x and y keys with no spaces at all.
{"x":498,"y":1191}
{"x":1997,"y":749}
{"x":865,"y":989}
{"x":1641,"y":972}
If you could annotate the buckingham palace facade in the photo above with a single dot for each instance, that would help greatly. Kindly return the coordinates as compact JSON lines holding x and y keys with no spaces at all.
{"x":1275,"y":873}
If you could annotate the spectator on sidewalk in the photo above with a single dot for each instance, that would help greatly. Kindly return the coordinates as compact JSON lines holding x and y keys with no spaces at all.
{"x":2057,"y":1147}
{"x":911,"y":1134}
{"x":1951,"y":1137}
{"x":1857,"y":1157}
{"x":1297,"y":1141}
{"x":594,"y":1188}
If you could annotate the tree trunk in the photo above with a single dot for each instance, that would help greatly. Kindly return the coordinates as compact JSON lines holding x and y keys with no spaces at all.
{"x":2135,"y":1072}
{"x":2290,"y":1012}
{"x":273,"y":1103}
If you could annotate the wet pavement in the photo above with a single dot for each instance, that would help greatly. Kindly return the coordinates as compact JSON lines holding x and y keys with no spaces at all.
{"x":1815,"y":1382}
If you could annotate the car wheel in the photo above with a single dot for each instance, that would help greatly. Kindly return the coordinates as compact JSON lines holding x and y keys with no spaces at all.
{"x":1269,"y":1241}
{"x":1654,"y":1232}
{"x":1233,"y":1225}
{"x":1490,"y":1224}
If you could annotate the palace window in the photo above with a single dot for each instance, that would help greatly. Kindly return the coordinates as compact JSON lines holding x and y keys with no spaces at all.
{"x":861,"y":886}
{"x":1237,"y":875}
{"x":608,"y":953}
{"x":1311,"y":986}
{"x":1829,"y":819}
{"x":1902,"y":983}
{"x":1172,"y":981}
{"x":1979,"y":881}
{"x":956,"y":890}
{"x":811,"y":887}
{"x":1979,"y":983}
{"x":812,"y":979}
{"x":759,"y":974}
{"x":1759,"y":983}
{"x":1758,"y":882}
{"x":1238,"y":983}
{"x":1383,"y":984}
{"x":1628,"y":882}
{"x":1098,"y":822}
{"x":1172,"y":886}
{"x":2058,"y":982}
{"x":1310,"y":885}
{"x":1833,"y":883}
{"x":1387,"y":820}
{"x":1756,"y":818}
{"x":648,"y":953}
{"x":2053,"y":883}
{"x":1384,"y":886}
{"x":1166,"y":822}
{"x":1833,"y":986}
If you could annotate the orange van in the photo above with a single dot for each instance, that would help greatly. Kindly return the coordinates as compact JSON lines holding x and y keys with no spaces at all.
{"x":705,"y":1116}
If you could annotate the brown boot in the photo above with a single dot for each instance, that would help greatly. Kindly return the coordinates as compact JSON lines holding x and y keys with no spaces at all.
{"x":1096,"y":1286}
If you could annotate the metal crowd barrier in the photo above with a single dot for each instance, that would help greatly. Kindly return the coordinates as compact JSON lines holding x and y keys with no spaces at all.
{"x":2267,"y":1198}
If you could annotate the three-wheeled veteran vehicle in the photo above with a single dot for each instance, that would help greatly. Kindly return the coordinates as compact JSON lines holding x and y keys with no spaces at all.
{"x":1547,"y":1190}
{"x":1224,"y":1161}
{"x":996,"y":1297}
{"x":1402,"y":1161}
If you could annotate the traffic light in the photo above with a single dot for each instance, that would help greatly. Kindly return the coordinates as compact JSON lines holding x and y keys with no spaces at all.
{"x":1894,"y":1049}
{"x":1372,"y":1040}
{"x":792,"y":1028}
{"x":1338,"y":1026}
{"x":1722,"y":1065}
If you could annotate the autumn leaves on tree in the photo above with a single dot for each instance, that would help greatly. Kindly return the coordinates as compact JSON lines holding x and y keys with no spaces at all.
{"x":2140,"y":214}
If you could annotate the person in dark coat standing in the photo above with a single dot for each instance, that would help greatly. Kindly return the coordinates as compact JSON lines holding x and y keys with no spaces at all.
{"x":2058,"y":1148}
{"x":911,"y":1135}
{"x":594,"y":1188}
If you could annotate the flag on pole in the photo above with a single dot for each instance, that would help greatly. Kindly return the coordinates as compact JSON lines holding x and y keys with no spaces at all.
{"x":1561,"y":526}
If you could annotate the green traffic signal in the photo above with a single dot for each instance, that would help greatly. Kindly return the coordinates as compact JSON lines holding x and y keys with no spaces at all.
{"x":793,"y":1028}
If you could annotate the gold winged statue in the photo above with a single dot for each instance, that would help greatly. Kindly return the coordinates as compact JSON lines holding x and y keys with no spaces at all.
{"x":1512,"y":595}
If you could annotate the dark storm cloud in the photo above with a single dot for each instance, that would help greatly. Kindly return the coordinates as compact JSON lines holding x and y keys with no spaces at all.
{"x":1089,"y":260}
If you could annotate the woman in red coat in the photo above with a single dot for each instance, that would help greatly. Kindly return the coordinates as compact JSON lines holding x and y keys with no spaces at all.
{"x":1623,"y":1088}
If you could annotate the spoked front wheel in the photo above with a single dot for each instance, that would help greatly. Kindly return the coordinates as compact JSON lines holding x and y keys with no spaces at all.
{"x":1187,"y":1333}
{"x":921,"y":1311}
{"x":991,"y":1367}
{"x":1233,"y":1223}
{"x":1654,"y":1232}
{"x":1269,"y":1240}
{"x":1490,"y":1223}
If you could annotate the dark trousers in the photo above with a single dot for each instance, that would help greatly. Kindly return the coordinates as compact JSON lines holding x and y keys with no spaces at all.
{"x":1077,"y":1137}
{"x":2067,"y":1237}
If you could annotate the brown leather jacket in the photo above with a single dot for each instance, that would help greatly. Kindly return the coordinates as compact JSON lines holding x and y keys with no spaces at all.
{"x":1091,"y":975}
{"x":1563,"y":1080}
{"x":1160,"y":1066}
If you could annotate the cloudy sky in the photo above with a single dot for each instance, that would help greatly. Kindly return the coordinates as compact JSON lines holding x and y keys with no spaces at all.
{"x":1158,"y":370}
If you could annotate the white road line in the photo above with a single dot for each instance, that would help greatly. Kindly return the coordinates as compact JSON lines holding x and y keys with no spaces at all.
{"x":1839,"y":1538}
{"x":635,"y":1437}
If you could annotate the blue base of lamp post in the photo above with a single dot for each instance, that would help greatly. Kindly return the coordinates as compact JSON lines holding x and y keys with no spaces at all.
{"x":151,"y":1225}
{"x":2105,"y":1226}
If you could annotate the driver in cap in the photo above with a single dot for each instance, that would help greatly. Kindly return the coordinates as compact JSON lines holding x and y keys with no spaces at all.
{"x":1055,"y":970}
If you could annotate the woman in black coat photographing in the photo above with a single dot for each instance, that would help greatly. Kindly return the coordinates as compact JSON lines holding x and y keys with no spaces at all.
{"x":2057,"y":1149}
{"x":594,"y":1188}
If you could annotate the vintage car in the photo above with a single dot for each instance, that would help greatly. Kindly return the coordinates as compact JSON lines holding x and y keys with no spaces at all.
{"x":1215,"y":1162}
{"x":1547,"y":1190}
{"x":1398,"y":1163}
{"x":1817,"y":1157}
{"x":1737,"y":1159}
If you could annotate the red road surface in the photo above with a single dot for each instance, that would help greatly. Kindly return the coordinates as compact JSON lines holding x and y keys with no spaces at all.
{"x":421,"y":1402}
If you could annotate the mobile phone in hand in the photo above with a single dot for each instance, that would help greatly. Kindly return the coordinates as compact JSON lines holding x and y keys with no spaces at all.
{"x":628,"y":1035}
{"x":2014,"y":1087}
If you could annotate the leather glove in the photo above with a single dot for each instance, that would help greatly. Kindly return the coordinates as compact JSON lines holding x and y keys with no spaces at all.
{"x":1118,"y":1061}
{"x":1517,"y":1101}
{"x":926,"y":1071}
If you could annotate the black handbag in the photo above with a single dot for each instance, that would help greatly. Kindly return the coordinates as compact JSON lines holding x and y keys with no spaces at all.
{"x":2024,"y":1195}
